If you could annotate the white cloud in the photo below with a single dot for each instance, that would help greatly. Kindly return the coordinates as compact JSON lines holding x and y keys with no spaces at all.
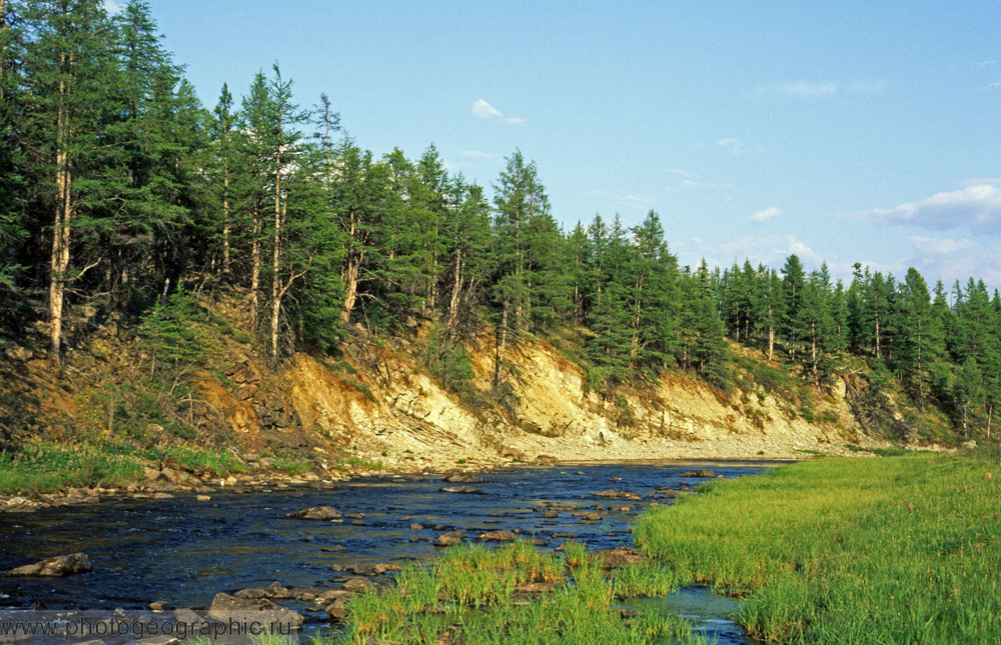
{"x":733,"y":145}
{"x":976,"y":205}
{"x":626,"y":201}
{"x":637,"y":201}
{"x":680,"y":173}
{"x":987,"y":63}
{"x":809,"y":89}
{"x":766,"y":215}
{"x":692,"y":184}
{"x":936,"y":246}
{"x":484,"y":110}
{"x":479,"y":154}
{"x":113,"y":6}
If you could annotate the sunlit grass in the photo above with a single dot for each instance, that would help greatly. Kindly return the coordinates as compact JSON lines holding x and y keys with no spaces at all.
{"x":472,"y":594}
{"x":892,"y":550}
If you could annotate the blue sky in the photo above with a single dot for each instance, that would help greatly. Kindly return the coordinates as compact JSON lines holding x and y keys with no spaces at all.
{"x":842,"y":131}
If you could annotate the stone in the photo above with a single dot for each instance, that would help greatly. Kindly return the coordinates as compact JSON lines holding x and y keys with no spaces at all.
{"x":63,"y":565}
{"x":416,"y":527}
{"x":252,"y":594}
{"x":545,"y":459}
{"x":450,"y":538}
{"x":512,"y":453}
{"x":317,"y":513}
{"x":226,"y":607}
{"x":337,"y":609}
{"x":618,"y":557}
{"x":502,"y":535}
{"x":162,"y":496}
{"x":358,"y":584}
{"x":468,"y":490}
{"x":278,"y":591}
{"x":619,"y":494}
{"x":368,"y":569}
{"x":550,"y":514}
{"x":588,"y":516}
{"x":159,"y":605}
{"x":704,"y":473}
{"x":202,"y":498}
{"x":463,"y":478}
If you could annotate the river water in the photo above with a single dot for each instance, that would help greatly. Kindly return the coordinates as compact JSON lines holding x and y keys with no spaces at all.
{"x":184,"y":551}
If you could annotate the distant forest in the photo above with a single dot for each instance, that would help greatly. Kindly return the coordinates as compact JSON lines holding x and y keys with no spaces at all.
{"x":120,"y":194}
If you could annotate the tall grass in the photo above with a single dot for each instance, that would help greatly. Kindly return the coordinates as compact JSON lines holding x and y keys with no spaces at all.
{"x":471,"y":594}
{"x":892,"y":550}
{"x":44,"y":467}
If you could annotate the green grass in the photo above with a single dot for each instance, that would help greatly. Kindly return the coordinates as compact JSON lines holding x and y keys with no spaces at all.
{"x":292,"y":467}
{"x":470,"y":595}
{"x":45,"y":467}
{"x":893,"y":550}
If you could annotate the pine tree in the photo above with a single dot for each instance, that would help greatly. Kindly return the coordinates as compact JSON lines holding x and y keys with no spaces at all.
{"x":519,"y":197}
{"x":793,"y":280}
{"x":67,"y":63}
{"x":921,"y":342}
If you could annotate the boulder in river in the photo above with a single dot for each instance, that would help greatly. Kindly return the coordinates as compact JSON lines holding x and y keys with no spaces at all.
{"x":618,"y":557}
{"x":63,"y":565}
{"x":226,"y":608}
{"x":317,"y":513}
{"x":588,"y":516}
{"x":252,"y":594}
{"x":357,"y":584}
{"x":463,"y":478}
{"x":703,"y":474}
{"x":468,"y":490}
{"x":450,"y":538}
{"x":619,"y":494}
{"x":502,"y":535}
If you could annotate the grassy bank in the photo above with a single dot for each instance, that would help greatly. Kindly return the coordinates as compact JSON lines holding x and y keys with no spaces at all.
{"x":478,"y":595}
{"x":890,"y":550}
{"x":46,"y":467}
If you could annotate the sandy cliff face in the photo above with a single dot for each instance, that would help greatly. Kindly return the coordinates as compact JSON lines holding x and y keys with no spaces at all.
{"x":390,"y":404}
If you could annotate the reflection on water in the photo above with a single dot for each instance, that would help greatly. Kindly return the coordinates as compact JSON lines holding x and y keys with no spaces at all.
{"x":184,"y":552}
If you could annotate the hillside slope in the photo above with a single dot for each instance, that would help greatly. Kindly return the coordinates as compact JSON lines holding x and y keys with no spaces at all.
{"x":378,"y":403}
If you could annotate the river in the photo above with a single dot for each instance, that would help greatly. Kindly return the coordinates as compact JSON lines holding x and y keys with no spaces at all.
{"x":184,"y":551}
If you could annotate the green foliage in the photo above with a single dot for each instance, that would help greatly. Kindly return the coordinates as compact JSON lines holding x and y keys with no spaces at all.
{"x":44,"y":467}
{"x":470,"y":594}
{"x":898,"y":549}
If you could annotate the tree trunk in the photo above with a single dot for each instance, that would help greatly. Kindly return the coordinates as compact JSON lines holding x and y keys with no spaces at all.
{"x":813,"y":353}
{"x":225,"y":220}
{"x":501,"y":345}
{"x":255,"y":269}
{"x":276,"y":292}
{"x":771,"y":341}
{"x":453,"y":305}
{"x":351,"y":272}
{"x":60,"y":256}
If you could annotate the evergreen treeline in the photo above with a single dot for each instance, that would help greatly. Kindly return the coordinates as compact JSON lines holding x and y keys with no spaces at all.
{"x":117,"y":188}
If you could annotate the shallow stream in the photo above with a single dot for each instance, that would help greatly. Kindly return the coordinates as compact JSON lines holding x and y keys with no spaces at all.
{"x":184,"y":551}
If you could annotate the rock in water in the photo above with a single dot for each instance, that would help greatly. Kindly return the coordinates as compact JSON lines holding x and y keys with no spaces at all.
{"x":317,"y":513}
{"x":226,"y":607}
{"x":450,"y":538}
{"x":496,"y":536}
{"x":618,"y":557}
{"x":705,"y":474}
{"x":620,"y":494}
{"x":63,"y":565}
{"x":463,"y":478}
{"x":469,"y":490}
